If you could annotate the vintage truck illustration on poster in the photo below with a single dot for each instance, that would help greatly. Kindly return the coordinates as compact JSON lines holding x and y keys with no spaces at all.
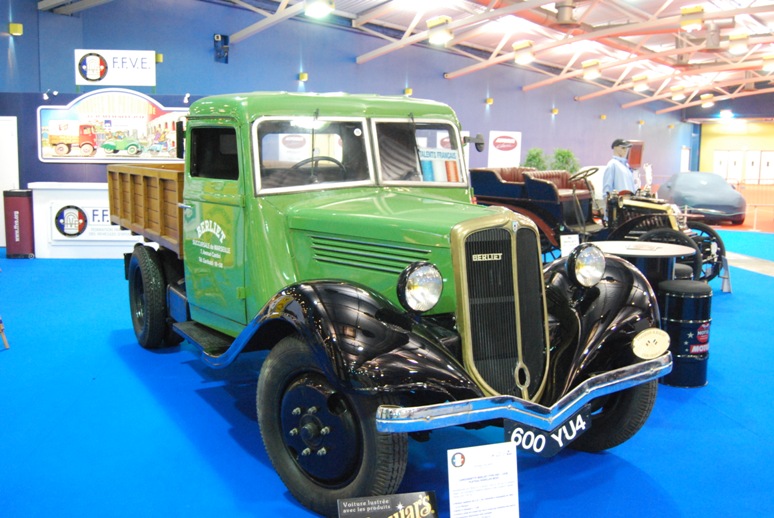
{"x":338,"y":232}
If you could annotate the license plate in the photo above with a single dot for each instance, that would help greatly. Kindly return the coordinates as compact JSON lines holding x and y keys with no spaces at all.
{"x":547,"y":444}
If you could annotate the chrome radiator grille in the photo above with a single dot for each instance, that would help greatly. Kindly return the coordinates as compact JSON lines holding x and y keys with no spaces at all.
{"x":506,"y":310}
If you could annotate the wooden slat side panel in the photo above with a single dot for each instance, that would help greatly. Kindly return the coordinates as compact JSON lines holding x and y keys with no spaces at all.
{"x":144,"y":199}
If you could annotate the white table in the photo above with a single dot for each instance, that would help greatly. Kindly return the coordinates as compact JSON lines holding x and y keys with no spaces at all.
{"x":655,"y":260}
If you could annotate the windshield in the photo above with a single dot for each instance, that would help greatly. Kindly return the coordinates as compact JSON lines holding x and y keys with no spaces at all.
{"x":418,"y":151}
{"x":310,"y":152}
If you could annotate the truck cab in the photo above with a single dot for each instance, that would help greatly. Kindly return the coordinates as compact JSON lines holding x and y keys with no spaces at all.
{"x":338,"y":232}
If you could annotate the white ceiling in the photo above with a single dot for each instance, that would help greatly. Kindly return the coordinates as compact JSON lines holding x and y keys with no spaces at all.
{"x":642,"y":39}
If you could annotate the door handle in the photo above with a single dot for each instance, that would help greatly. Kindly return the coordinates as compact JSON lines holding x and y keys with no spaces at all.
{"x":184,"y":206}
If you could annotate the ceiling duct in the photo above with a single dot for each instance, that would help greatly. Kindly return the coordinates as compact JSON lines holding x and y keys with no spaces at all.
{"x":565,"y":14}
{"x":713,"y":37}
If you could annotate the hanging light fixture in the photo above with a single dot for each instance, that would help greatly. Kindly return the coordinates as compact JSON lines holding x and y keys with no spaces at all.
{"x":692,"y":18}
{"x":738,"y":44}
{"x":768,"y":63}
{"x":440,"y":34}
{"x":523,"y":52}
{"x":318,"y":8}
{"x":591,"y":69}
{"x":707,"y":100}
{"x":640,"y":82}
{"x":678,"y":93}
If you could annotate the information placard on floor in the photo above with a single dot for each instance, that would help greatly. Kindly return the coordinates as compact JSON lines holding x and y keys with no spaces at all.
{"x":483,"y":481}
{"x":405,"y":505}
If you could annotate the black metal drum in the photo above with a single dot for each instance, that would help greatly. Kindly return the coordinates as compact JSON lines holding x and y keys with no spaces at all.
{"x":685,"y":316}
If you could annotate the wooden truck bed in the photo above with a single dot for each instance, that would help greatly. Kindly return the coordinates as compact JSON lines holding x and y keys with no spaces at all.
{"x":144,"y":199}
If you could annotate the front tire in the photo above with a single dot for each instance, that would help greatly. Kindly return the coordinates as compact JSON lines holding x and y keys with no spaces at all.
{"x":322,"y":440}
{"x":147,"y":300}
{"x":617,"y":417}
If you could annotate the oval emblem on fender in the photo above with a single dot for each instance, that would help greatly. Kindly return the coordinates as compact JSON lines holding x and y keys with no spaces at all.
{"x":650,"y":343}
{"x":294,"y":141}
{"x":505,"y":143}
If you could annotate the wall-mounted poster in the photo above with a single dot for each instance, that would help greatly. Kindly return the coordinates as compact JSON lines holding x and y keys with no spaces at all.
{"x":109,"y":125}
{"x":504,"y":149}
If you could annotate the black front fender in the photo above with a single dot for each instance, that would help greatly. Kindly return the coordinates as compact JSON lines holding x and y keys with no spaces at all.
{"x":602,"y":320}
{"x":365,"y":342}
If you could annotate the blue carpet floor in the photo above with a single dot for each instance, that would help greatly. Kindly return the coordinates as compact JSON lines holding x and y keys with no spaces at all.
{"x":92,"y":425}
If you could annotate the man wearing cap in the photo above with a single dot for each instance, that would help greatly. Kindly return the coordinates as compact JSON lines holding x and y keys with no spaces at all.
{"x":618,"y":176}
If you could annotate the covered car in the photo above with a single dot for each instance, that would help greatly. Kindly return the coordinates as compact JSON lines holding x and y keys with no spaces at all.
{"x":708,"y":194}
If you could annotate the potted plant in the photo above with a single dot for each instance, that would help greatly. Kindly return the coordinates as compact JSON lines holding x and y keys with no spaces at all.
{"x":565,"y":160}
{"x":536,"y":158}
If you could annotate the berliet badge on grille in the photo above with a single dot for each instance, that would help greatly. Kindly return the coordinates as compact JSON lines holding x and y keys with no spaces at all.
{"x":487,"y":257}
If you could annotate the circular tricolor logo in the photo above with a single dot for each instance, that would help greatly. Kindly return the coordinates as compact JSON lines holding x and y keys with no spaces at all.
{"x":70,"y":221}
{"x":92,"y":67}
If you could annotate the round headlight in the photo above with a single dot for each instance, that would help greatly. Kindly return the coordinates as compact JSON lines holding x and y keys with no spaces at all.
{"x":586,"y":265}
{"x":420,"y":286}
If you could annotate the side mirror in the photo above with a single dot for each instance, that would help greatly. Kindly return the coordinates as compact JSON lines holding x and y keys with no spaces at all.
{"x":477,"y":141}
{"x":180,"y":139}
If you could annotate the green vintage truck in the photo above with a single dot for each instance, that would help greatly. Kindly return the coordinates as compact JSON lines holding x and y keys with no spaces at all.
{"x":339,"y":233}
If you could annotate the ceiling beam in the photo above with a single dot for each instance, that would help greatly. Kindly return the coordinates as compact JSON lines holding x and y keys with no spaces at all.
{"x":716,"y":98}
{"x":47,"y":5}
{"x":457,"y":24}
{"x":667,"y":96}
{"x":668,"y":23}
{"x":79,"y":6}
{"x":267,"y":22}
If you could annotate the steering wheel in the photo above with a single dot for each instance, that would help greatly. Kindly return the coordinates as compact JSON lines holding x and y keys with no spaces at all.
{"x":321,"y":158}
{"x":582,"y":174}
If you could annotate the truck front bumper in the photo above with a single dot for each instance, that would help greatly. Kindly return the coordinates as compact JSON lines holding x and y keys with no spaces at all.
{"x":393,"y":419}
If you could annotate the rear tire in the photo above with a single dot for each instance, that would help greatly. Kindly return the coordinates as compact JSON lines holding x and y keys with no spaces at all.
{"x":147,"y":300}
{"x":617,"y":417}
{"x":670,"y":235}
{"x":321,"y":440}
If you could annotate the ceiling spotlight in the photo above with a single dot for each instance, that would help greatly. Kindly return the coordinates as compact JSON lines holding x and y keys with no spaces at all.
{"x":489,"y":101}
{"x":640,"y":82}
{"x":707,"y":100}
{"x":591,"y":69}
{"x":692,"y":18}
{"x":440,"y":34}
{"x":738,"y":44}
{"x":318,"y":8}
{"x":768,"y":63}
{"x":678,"y":93}
{"x":523,"y":52}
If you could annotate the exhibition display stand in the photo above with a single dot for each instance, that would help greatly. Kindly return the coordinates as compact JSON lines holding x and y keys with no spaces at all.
{"x":72,"y":221}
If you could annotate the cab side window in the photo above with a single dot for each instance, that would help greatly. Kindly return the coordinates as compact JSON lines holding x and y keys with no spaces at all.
{"x":214,"y":153}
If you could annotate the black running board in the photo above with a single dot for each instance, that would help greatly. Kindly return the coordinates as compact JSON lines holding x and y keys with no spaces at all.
{"x":212,"y":343}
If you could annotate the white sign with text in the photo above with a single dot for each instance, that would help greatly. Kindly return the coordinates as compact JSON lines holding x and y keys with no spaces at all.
{"x":115,"y":67}
{"x":483,"y":481}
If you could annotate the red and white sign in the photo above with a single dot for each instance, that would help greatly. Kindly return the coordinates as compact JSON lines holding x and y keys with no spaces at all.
{"x":504,"y":148}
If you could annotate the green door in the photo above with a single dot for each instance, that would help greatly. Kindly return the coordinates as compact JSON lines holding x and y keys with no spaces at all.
{"x":214,"y":228}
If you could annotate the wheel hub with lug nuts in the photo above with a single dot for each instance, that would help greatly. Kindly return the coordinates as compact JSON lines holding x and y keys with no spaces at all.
{"x":319,"y":430}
